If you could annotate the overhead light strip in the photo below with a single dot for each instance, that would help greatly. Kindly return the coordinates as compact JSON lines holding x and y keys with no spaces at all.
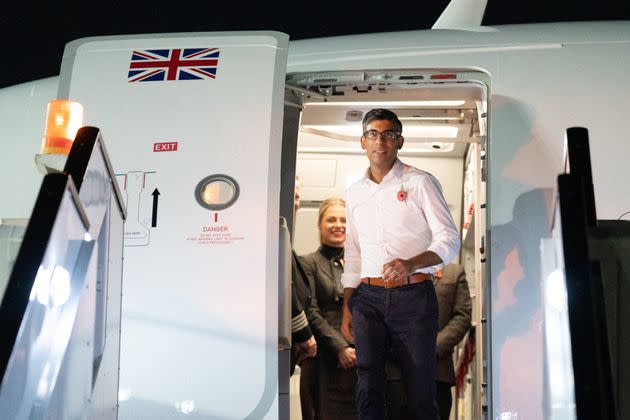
{"x":445,"y":147}
{"x":430,"y":118}
{"x":385,"y":104}
{"x":412,"y":131}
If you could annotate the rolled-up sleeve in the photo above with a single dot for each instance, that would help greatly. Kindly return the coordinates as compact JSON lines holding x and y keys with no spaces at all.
{"x":351,"y":276}
{"x":445,"y":240}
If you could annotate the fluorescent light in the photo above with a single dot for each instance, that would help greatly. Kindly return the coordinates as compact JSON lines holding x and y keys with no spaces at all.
{"x":414,"y":148}
{"x":430,"y":118}
{"x":431,"y":131}
{"x":377,"y":104}
{"x":411,"y":131}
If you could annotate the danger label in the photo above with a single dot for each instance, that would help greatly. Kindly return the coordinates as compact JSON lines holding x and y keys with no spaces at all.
{"x":215,"y":235}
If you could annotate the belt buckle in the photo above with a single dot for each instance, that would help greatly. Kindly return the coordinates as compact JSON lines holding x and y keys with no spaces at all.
{"x":386,"y":284}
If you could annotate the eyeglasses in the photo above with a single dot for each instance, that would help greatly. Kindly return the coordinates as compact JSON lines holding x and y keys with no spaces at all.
{"x":388,"y":135}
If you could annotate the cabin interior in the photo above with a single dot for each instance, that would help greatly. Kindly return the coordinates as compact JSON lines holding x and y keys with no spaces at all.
{"x":444,"y":115}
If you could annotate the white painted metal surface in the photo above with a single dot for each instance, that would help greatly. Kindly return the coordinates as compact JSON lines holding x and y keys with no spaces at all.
{"x":199,"y":318}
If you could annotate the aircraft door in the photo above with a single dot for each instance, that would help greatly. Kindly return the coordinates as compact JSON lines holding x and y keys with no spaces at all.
{"x":194,"y":129}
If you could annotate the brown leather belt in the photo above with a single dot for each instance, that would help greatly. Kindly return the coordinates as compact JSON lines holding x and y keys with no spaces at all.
{"x":412,"y":279}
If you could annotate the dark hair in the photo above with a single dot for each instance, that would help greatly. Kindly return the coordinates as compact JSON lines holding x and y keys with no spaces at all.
{"x":381,"y":114}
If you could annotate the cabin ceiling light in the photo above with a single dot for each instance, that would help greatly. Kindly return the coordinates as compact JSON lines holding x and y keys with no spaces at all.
{"x":430,"y":118}
{"x":388,"y":104}
{"x":416,"y":148}
{"x":411,"y":131}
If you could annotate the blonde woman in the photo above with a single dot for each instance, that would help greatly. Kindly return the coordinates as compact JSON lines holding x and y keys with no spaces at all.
{"x":335,"y":366}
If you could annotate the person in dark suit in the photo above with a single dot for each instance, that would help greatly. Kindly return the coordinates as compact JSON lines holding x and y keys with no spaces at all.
{"x":304,"y":343}
{"x":455,"y":308}
{"x":336,"y":361}
{"x":304,"y":348}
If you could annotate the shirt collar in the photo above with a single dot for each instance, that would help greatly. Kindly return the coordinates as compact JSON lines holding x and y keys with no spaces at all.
{"x":397,"y":170}
{"x":366,"y":176}
{"x":394,"y":173}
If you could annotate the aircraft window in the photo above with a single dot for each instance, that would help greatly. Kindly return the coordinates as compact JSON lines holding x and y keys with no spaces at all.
{"x":217,"y":192}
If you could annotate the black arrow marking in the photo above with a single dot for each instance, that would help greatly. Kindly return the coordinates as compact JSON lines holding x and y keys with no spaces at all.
{"x":155,"y":195}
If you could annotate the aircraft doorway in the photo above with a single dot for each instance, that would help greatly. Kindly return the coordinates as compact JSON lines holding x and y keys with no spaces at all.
{"x":444,"y":115}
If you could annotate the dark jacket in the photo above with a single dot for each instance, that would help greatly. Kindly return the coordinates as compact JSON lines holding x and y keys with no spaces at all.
{"x":454,"y":319}
{"x":300,"y":307}
{"x":324,"y":277}
{"x":300,"y":302}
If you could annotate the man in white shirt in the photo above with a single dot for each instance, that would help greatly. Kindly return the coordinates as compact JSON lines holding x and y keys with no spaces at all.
{"x":398,"y":228}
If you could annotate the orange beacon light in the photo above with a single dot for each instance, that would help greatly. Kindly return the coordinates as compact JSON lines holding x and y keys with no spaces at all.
{"x":63,"y":120}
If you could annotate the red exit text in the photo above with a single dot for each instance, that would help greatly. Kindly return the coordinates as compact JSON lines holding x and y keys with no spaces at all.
{"x":165,"y":147}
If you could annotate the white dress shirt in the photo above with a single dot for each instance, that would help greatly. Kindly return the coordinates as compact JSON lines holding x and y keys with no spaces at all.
{"x":380,"y":227}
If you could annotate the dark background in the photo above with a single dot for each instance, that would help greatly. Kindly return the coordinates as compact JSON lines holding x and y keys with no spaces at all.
{"x":34,"y":36}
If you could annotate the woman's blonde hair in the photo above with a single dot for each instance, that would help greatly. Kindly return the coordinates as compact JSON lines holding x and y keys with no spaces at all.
{"x":328,"y":203}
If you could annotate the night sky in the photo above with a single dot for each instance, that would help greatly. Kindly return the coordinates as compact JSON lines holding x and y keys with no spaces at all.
{"x":36,"y":35}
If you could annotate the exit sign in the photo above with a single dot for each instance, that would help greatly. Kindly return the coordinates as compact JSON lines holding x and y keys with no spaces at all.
{"x":165,"y":147}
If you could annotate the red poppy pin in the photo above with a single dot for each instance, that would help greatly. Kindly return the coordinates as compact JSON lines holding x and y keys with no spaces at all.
{"x":402,"y":194}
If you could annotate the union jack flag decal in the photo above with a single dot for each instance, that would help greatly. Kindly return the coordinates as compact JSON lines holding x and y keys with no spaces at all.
{"x":173,"y":64}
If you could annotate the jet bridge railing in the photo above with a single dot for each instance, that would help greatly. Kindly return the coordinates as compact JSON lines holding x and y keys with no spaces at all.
{"x":90,"y":167}
{"x":42,"y":300}
{"x":60,"y":313}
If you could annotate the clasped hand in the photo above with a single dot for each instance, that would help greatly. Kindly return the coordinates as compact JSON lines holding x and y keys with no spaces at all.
{"x":347,"y":358}
{"x":305,"y":349}
{"x":396,"y":269}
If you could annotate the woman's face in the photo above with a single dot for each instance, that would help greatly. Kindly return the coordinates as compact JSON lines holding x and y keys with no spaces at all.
{"x":332,"y":228}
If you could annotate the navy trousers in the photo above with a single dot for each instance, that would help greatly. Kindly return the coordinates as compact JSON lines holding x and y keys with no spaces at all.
{"x":405,"y":321}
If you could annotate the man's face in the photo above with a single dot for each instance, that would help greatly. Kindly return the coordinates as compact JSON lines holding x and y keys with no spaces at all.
{"x":380,"y":152}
